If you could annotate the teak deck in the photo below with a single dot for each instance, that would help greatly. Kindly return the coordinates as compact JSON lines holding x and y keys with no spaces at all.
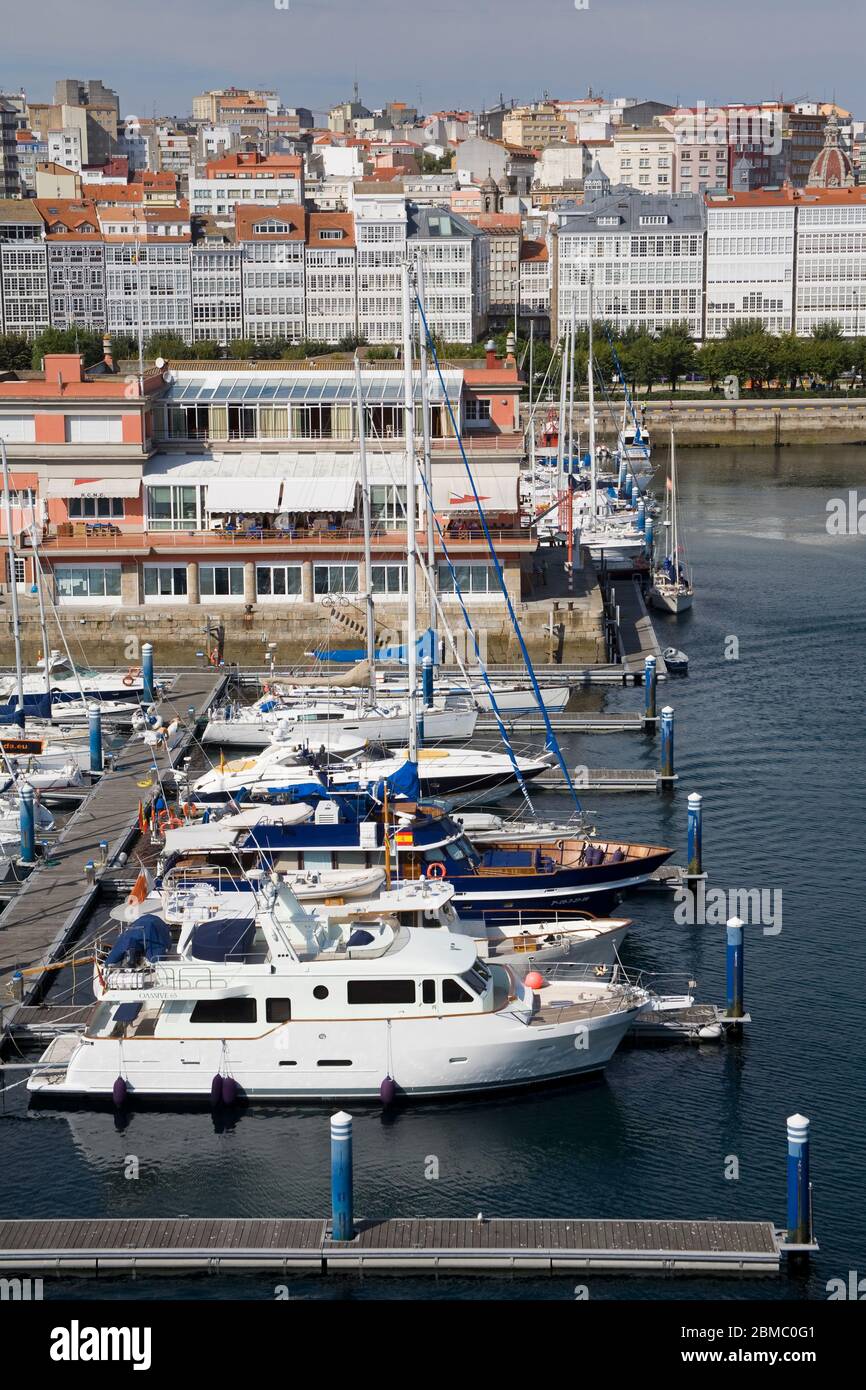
{"x":410,"y":1244}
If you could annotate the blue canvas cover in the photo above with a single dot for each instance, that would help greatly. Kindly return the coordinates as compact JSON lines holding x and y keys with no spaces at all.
{"x":223,"y":940}
{"x":149,"y":938}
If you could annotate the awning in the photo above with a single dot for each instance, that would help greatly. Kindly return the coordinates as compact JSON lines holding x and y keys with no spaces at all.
{"x":334,"y":494}
{"x":243,"y":494}
{"x":495,"y":483}
{"x":78,"y":486}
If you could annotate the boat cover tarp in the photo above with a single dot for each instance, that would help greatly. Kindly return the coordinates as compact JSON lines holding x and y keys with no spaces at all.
{"x":35,"y":707}
{"x":149,"y":936}
{"x":426,"y":646}
{"x":223,"y":939}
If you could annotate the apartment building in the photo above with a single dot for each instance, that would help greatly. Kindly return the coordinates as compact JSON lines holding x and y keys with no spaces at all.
{"x":750,"y":260}
{"x":147,"y":270}
{"x":272,"y":240}
{"x":456,"y":260}
{"x":331,"y":280}
{"x":643,"y":159}
{"x":380,"y":216}
{"x":534,"y":292}
{"x":503,"y":230}
{"x":643,"y":254}
{"x":216,"y":281}
{"x":831,"y":260}
{"x":64,"y":148}
{"x":76,"y":263}
{"x":24,"y":301}
{"x":9,"y":176}
{"x":209,"y":106}
{"x":534,"y":126}
{"x":246,"y":177}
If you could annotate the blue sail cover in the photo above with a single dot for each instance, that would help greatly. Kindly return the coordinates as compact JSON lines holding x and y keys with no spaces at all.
{"x":427,"y":646}
{"x":148,"y":938}
{"x":403,"y":782}
{"x":35,"y":707}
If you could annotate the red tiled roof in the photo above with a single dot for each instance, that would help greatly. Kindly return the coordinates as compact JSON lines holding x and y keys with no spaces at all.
{"x":318,"y":222}
{"x":248,"y":214}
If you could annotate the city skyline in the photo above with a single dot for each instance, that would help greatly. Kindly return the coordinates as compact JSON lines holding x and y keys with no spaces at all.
{"x":312,"y":53}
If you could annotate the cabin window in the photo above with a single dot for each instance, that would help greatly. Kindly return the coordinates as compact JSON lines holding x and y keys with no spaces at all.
{"x":334,"y":1062}
{"x":454,"y":993}
{"x":475,"y":980}
{"x":381,"y":991}
{"x":278,"y":1010}
{"x":224,"y":1011}
{"x":428,"y":991}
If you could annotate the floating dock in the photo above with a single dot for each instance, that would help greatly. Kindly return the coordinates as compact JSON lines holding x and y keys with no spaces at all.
{"x":56,"y":899}
{"x":403,"y":1245}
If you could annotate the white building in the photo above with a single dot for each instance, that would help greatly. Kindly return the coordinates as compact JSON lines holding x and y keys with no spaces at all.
{"x":243,"y":177}
{"x":831,"y":260}
{"x":147,"y":270}
{"x":380,"y":236}
{"x":24,"y":304}
{"x":750,"y":261}
{"x":331,"y":282}
{"x":644,"y":256}
{"x":273,"y":242}
{"x":64,"y":147}
{"x":456,"y":260}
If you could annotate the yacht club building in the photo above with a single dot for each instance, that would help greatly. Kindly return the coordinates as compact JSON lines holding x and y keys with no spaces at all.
{"x":238,"y":483}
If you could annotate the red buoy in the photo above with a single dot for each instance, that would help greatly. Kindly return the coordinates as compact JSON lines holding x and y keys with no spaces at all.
{"x":534,"y":980}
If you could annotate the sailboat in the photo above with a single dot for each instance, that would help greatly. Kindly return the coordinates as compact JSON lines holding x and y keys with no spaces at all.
{"x":672,"y":588}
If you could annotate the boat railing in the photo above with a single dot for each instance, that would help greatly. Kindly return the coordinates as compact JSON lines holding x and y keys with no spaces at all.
{"x":533,"y":917}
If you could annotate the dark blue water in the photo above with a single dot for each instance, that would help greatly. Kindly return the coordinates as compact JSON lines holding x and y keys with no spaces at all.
{"x":774,"y":742}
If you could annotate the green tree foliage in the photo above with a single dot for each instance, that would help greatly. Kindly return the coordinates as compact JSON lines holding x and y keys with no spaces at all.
{"x":15,"y":352}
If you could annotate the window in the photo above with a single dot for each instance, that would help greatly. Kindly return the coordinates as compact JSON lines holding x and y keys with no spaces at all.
{"x":278,"y":1010}
{"x":381,"y":991}
{"x":23,"y":497}
{"x":387,"y":504}
{"x":76,"y":583}
{"x":278,"y":581}
{"x":18,"y":429}
{"x":221,"y":581}
{"x":428,"y":991}
{"x":477,"y":411}
{"x":94,"y":429}
{"x":453,"y":993}
{"x":224,"y":1011}
{"x":472,"y":579}
{"x":174,"y":508}
{"x":335,"y":579}
{"x":164,"y":582}
{"x":388,"y":579}
{"x":101,"y":508}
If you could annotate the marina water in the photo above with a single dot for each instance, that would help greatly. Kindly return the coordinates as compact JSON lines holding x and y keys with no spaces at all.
{"x":774,"y":742}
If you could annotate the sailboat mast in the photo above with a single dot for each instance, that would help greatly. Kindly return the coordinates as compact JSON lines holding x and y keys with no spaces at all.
{"x":368,"y":547}
{"x":560,"y":434}
{"x":13,"y":590}
{"x":571,"y":395}
{"x":37,"y":574}
{"x":593,"y":479}
{"x":674,"y":508}
{"x":428,"y":463}
{"x":411,"y":490}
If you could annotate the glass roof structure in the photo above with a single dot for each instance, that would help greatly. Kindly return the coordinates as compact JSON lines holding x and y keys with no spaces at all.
{"x":313,"y":388}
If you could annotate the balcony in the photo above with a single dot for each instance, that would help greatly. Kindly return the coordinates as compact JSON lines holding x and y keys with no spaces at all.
{"x":462,"y":536}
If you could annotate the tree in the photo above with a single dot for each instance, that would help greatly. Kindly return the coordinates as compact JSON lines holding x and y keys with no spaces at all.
{"x":241,"y":349}
{"x":166,"y":345}
{"x":828,"y":331}
{"x":640,"y":361}
{"x":829,"y":356}
{"x":675,"y":353}
{"x":709,"y":362}
{"x":15,"y":352}
{"x":84,"y":342}
{"x":207,"y":351}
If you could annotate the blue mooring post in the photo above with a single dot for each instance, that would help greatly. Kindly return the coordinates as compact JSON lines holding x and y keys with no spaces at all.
{"x":734,"y":968}
{"x":640,"y":523}
{"x":666,"y":729}
{"x":147,"y":672}
{"x":649,"y":689}
{"x":342,"y":1226}
{"x":799,"y":1187}
{"x":649,"y":536}
{"x":27,"y":824}
{"x":633,"y":492}
{"x":695,"y":833}
{"x":427,"y":681}
{"x":622,"y":481}
{"x":95,"y":721}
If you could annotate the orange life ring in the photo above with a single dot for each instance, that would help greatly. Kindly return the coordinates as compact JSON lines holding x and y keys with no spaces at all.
{"x":129,"y":680}
{"x":214,"y":656}
{"x":436,"y":870}
{"x":168,"y":820}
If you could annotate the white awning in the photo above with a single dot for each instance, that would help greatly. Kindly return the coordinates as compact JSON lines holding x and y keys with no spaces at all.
{"x":495,"y":483}
{"x":334,"y":494}
{"x":78,"y":486}
{"x":243,"y":494}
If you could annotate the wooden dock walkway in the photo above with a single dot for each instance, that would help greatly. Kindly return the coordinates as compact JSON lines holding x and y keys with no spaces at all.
{"x":565,"y":723}
{"x":410,"y":1245}
{"x":603,"y":779}
{"x":56,"y":899}
{"x":637,"y":636}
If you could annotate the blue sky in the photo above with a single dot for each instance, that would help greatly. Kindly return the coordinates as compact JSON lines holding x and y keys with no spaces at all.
{"x":440,"y":52}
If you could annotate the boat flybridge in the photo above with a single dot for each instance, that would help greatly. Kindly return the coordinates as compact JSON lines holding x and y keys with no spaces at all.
{"x":362,"y":1001}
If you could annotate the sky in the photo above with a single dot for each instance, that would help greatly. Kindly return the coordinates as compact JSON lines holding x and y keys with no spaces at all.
{"x":439,"y":53}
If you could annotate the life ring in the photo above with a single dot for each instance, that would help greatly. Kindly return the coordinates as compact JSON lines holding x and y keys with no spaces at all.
{"x":214,"y":656}
{"x":129,"y":680}
{"x":167,"y":820}
{"x":435,"y":870}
